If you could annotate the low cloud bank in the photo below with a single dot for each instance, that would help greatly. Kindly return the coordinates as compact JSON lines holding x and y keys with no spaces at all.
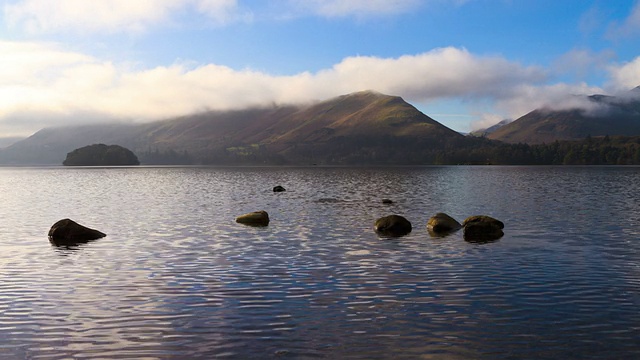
{"x":41,"y":78}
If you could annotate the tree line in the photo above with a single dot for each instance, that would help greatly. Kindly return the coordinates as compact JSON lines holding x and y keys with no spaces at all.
{"x":364,"y":150}
{"x":605,"y":150}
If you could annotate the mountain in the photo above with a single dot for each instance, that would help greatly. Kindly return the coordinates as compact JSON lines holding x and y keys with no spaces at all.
{"x":363,"y":127}
{"x":607,"y":115}
{"x":490,"y":129}
{"x":51,"y":145}
{"x":7,"y":141}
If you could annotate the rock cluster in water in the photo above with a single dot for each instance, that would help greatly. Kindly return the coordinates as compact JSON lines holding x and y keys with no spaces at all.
{"x":69,"y":232}
{"x":477,"y":228}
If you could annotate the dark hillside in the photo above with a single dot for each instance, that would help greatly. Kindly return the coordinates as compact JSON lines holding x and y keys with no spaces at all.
{"x":614,"y":116}
{"x":365,"y":127}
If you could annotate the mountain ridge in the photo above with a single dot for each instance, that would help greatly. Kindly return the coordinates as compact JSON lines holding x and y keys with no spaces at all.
{"x":367,"y":123}
{"x":365,"y":127}
{"x":608,"y":115}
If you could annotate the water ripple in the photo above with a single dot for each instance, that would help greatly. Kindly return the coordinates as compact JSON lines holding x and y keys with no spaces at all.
{"x":177,"y":278}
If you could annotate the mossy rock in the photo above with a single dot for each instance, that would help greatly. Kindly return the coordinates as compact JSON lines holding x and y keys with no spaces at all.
{"x":482,"y":229}
{"x":392,"y":226}
{"x":483,"y":219}
{"x":442,"y":224}
{"x":256,"y":218}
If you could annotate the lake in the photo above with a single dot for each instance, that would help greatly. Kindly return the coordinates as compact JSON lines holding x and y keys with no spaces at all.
{"x":177,"y":278}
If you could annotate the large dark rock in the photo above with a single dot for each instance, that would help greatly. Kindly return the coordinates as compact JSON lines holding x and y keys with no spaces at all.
{"x":392,"y":225}
{"x":442,"y":224}
{"x":256,"y":218}
{"x":67,"y":231}
{"x":482,"y":229}
{"x":279,"y":189}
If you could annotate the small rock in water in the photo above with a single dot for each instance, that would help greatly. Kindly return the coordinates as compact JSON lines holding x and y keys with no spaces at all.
{"x":281,"y":352}
{"x":392,"y":225}
{"x":387,"y":201}
{"x":68,"y":232}
{"x":482,"y":229}
{"x":483,"y":219}
{"x":256,"y":218}
{"x":442,"y":224}
{"x":279,"y":189}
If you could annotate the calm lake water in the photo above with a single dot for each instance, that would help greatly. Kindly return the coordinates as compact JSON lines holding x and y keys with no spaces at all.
{"x":177,"y":278}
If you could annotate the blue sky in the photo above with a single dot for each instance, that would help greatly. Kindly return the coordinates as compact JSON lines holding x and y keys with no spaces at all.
{"x":466,"y":63}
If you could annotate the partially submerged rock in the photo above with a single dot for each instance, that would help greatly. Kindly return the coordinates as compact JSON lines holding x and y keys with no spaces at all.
{"x":256,"y":218}
{"x":483,"y":219}
{"x":482,"y":228}
{"x":387,"y":201}
{"x":279,"y":189}
{"x":67,"y":231}
{"x":392,"y":225}
{"x":442,"y":224}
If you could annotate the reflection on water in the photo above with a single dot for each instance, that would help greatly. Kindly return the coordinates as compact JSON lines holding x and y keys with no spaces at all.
{"x":176,"y":277}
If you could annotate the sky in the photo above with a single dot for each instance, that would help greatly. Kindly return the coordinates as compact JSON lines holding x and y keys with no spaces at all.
{"x":465,"y":63}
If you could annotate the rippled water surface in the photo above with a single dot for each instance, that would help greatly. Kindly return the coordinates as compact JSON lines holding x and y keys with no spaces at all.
{"x":177,"y":278}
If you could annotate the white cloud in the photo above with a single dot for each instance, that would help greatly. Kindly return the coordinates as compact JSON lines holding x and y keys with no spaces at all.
{"x":445,"y":72}
{"x":625,"y":76}
{"x":33,"y":62}
{"x":221,"y":11}
{"x":527,"y":97}
{"x":629,"y":27}
{"x":110,"y":16}
{"x":137,"y":16}
{"x":582,"y":63}
{"x":339,"y":8}
{"x":38,"y":78}
{"x":362,"y":8}
{"x":591,"y":20}
{"x":486,"y":120}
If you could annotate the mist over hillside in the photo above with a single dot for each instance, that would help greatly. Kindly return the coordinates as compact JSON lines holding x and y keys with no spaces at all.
{"x":355,"y":129}
{"x":365,"y":126}
{"x":599,"y":115}
{"x":490,"y":129}
{"x":8,"y":141}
